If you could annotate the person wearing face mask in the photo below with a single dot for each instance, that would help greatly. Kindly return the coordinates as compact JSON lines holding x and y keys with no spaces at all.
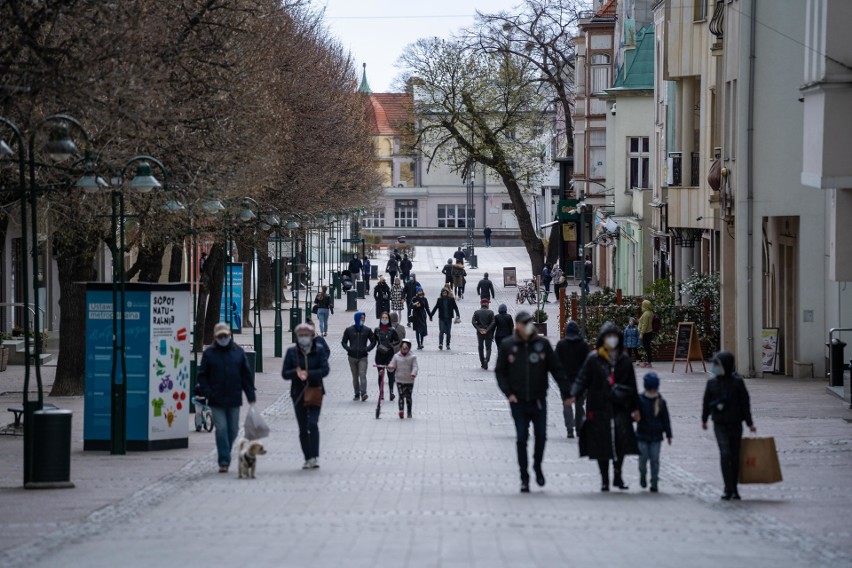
{"x":726,"y":400}
{"x":386,"y":341}
{"x":382,"y":295}
{"x":419,"y":314}
{"x":306,"y":365}
{"x":612,"y":403}
{"x":524,"y":361}
{"x":358,"y":340}
{"x":446,"y":307}
{"x":404,"y":365}
{"x":504,"y":324}
{"x":224,"y":372}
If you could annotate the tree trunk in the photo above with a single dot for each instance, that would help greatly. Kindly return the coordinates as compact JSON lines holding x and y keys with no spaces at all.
{"x":151,"y":261}
{"x":266,"y":281}
{"x":554,"y":243}
{"x":4,"y":226}
{"x":245,"y":253}
{"x":533,"y":244}
{"x":76,"y":263}
{"x":176,"y":263}
{"x":211,"y":289}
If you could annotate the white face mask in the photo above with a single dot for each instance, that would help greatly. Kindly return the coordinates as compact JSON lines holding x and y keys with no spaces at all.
{"x":223,"y":341}
{"x":530,"y":329}
{"x":611,"y":341}
{"x":304,"y":340}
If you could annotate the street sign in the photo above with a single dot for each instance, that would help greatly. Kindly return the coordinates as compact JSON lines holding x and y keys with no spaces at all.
{"x":278,"y":247}
{"x":565,"y":208}
{"x":353,"y":240}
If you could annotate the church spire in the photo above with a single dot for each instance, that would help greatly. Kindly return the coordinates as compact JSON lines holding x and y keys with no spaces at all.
{"x":365,"y":86}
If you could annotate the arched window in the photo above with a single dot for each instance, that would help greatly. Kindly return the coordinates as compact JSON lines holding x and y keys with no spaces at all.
{"x":600,"y":72}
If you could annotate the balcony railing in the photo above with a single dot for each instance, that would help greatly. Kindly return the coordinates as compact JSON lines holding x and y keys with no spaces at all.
{"x":694,"y":178}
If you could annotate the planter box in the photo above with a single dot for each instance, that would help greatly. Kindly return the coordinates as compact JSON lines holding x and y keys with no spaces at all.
{"x":4,"y":358}
{"x":541,"y":328}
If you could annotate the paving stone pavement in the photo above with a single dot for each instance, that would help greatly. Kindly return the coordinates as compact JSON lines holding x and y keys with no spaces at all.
{"x":441,"y":489}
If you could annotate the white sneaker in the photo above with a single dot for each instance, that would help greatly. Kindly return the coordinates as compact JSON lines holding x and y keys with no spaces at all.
{"x":307,"y":465}
{"x":314,"y":463}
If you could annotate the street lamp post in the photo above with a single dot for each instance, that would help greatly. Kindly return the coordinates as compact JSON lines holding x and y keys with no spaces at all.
{"x":250,"y":212}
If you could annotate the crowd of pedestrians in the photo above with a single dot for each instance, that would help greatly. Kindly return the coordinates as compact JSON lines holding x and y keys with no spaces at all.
{"x":602,"y":405}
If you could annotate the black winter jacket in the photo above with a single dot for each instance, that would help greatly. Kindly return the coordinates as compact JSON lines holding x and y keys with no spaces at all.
{"x":483,"y":318}
{"x":485,"y":289}
{"x":358,"y":343}
{"x":410,"y":290}
{"x":405,"y":266}
{"x":315,"y":361}
{"x":503,"y":326}
{"x":652,"y":426}
{"x":446,"y":307}
{"x":355,"y":266}
{"x":386,"y":341}
{"x":523,"y":366}
{"x":223,"y":373}
{"x":572,"y":354}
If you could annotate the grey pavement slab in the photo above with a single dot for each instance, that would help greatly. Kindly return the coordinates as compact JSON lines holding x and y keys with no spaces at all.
{"x":441,"y":489}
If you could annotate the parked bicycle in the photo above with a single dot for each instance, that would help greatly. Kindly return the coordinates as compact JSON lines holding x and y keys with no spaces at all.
{"x":528,"y":293}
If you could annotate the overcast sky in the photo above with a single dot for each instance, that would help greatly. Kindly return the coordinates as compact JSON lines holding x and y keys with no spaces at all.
{"x":376,"y":31}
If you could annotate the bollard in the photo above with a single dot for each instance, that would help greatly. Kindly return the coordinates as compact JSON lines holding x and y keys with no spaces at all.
{"x":836,"y":357}
{"x":361,"y":288}
{"x":295,"y":319}
{"x":352,"y":301}
{"x":374,"y":272}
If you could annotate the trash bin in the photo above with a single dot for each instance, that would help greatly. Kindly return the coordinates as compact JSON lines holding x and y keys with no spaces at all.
{"x":51,"y":449}
{"x":361,"y":288}
{"x":335,"y":283}
{"x":472,"y":261}
{"x":374,"y":272}
{"x":837,"y":365}
{"x":352,"y":300}
{"x":251,"y":358}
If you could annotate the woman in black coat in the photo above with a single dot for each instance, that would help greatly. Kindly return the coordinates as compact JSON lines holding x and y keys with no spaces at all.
{"x":419,"y":313}
{"x":382,"y":294}
{"x":612,"y":401}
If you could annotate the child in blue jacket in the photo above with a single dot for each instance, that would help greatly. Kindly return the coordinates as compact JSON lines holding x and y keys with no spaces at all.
{"x":653,"y":425}
{"x":631,"y":339}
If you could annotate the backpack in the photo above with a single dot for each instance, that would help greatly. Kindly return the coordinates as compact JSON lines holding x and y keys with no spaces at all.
{"x":656,"y":324}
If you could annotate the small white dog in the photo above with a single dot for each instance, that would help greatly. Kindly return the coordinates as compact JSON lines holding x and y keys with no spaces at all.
{"x":249,"y":450}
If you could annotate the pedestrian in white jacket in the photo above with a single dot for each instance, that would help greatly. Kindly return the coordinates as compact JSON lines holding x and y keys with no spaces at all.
{"x":404,"y":366}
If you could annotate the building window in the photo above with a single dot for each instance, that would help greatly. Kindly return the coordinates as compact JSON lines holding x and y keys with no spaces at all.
{"x":405,"y":214}
{"x":699,"y":13}
{"x":453,"y":216}
{"x":638,"y":162}
{"x":373,"y":219}
{"x":597,"y":154}
{"x":600,"y":73}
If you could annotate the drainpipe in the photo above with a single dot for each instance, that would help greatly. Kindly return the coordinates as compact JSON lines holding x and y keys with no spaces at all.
{"x":750,"y":183}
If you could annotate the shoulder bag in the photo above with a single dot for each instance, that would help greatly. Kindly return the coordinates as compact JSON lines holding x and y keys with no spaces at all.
{"x":312,"y":396}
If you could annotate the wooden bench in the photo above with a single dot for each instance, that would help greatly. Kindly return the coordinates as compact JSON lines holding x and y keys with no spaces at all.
{"x":18,"y":412}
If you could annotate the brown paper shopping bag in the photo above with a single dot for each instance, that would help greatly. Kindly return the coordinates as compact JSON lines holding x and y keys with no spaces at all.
{"x":759,"y":461}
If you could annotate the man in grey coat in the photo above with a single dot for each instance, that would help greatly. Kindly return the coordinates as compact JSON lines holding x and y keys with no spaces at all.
{"x":484,"y":322}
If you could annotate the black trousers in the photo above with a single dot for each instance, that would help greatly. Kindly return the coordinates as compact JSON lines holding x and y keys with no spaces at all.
{"x":524,"y":413}
{"x":647,"y":338}
{"x":729,"y":437}
{"x":484,"y":344}
{"x":603,"y":465}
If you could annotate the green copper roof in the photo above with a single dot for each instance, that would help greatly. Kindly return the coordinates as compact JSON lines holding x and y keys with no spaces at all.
{"x":637,"y":73}
{"x":365,"y":86}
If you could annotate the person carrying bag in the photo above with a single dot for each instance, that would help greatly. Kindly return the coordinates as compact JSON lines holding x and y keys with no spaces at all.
{"x":305,"y":366}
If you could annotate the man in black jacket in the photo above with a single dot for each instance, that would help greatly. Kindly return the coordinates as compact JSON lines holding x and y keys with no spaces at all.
{"x":358,"y":340}
{"x":447,"y":271}
{"x":355,"y":266}
{"x":504,"y":325}
{"x":484,"y":322}
{"x":459,"y":255}
{"x":523,"y":364}
{"x":726,"y":399}
{"x":572,"y":351}
{"x":405,"y":268}
{"x":409,"y":292}
{"x":485,"y":288}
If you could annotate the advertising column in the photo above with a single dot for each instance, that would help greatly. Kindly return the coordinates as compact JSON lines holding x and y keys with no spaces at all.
{"x":168,"y":411}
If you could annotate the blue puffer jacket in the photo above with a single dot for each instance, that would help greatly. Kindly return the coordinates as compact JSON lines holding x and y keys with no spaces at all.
{"x":223,"y":373}
{"x":315,"y":361}
{"x":631,"y":337}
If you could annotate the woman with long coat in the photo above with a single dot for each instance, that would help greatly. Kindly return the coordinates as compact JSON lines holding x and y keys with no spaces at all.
{"x":419,"y":313}
{"x":612,"y":401}
{"x":382,"y":294}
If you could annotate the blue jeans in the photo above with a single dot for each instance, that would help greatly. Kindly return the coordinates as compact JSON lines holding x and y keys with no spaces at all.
{"x":309,"y":436}
{"x":445,"y":327}
{"x":650,"y":451}
{"x":322,"y":316}
{"x":523,"y":413}
{"x":585,"y":284}
{"x":227,"y":423}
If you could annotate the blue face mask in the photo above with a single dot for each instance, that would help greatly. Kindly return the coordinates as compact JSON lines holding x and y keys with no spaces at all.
{"x":717,"y":370}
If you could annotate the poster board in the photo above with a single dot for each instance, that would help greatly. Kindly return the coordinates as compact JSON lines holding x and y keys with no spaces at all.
{"x":235,"y":315}
{"x":510,"y":276}
{"x":157,"y":352}
{"x":769,"y":345}
{"x":687,"y":347}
